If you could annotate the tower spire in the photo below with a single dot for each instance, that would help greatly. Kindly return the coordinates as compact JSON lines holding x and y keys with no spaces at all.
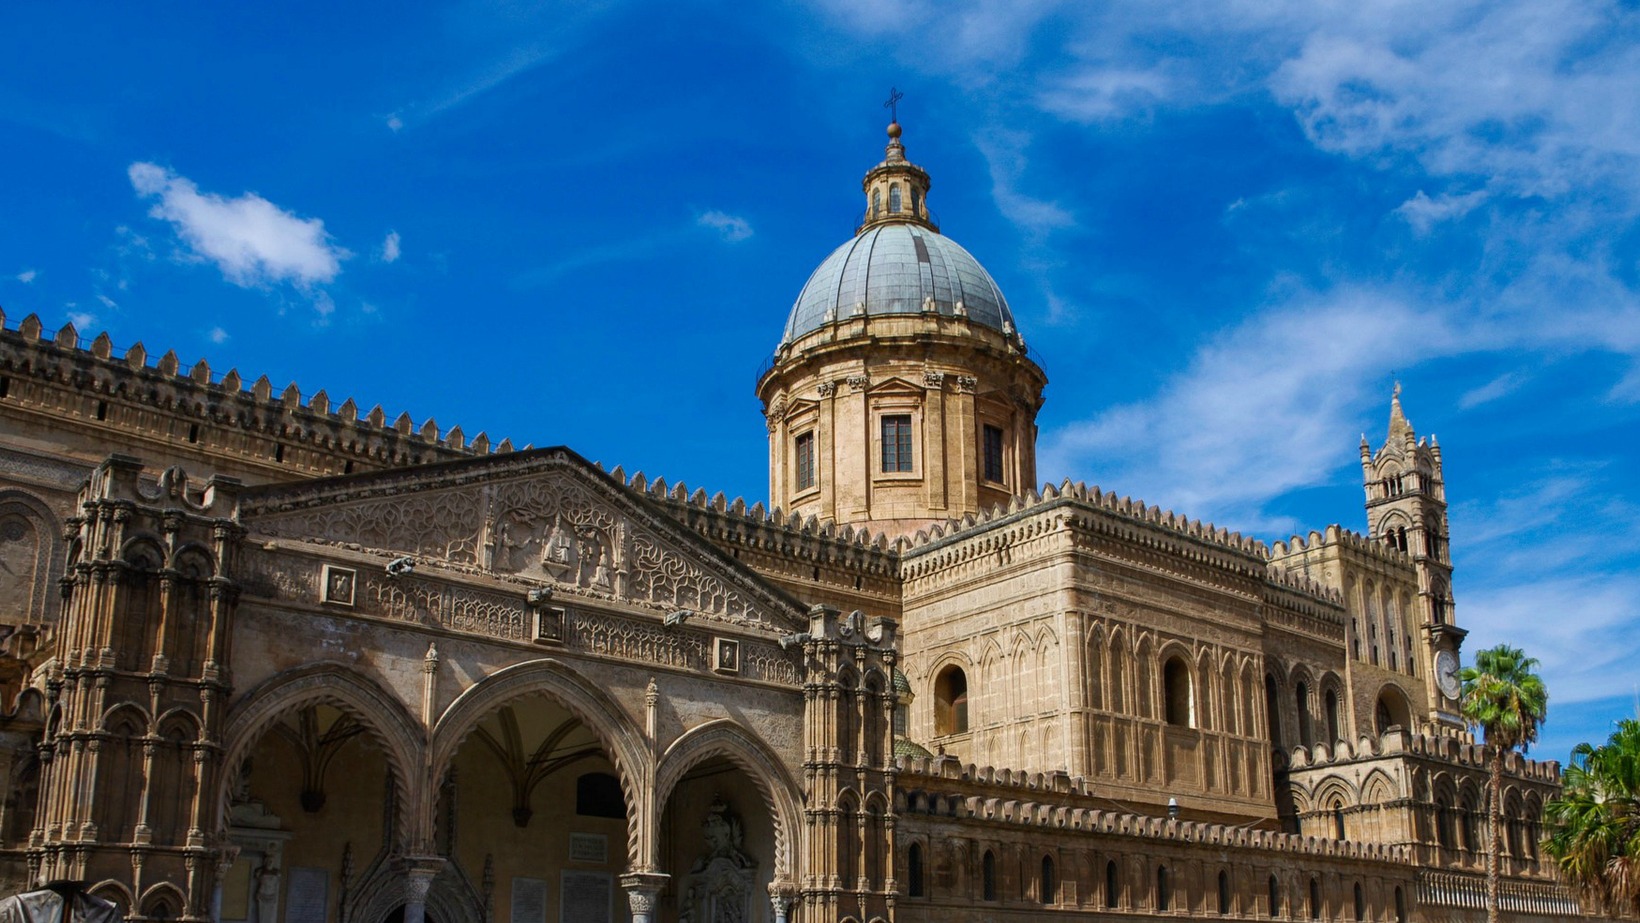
{"x":1399,"y":426}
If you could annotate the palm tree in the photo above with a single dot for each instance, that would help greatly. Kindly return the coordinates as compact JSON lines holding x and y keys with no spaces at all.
{"x":1507,"y":701}
{"x":1594,"y":825}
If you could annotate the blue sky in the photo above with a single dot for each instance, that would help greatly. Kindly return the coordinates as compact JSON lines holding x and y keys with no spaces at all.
{"x":1228,"y":228}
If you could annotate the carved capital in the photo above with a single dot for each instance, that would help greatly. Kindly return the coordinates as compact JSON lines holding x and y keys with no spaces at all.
{"x":828,"y":388}
{"x":859,"y":382}
{"x":643,"y":891}
{"x":934,"y":379}
{"x":967,"y":383}
{"x":419,"y":872}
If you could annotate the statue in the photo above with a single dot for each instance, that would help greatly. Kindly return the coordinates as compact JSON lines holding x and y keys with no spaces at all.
{"x":559,"y":557}
{"x":719,"y":886}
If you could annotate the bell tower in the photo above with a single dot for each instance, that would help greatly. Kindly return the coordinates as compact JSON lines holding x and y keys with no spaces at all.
{"x":901,"y":394}
{"x":1406,"y":510}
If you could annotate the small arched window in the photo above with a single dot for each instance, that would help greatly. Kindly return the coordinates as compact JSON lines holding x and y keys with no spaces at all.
{"x":1334,"y":731}
{"x":1400,"y":906}
{"x":916,"y":202}
{"x":988,"y":875}
{"x":1338,"y":821}
{"x":1224,"y":893}
{"x":951,"y":701}
{"x":1272,"y":709}
{"x":1360,"y":903}
{"x":1275,"y":897}
{"x":914,"y":870}
{"x":1111,"y":883}
{"x":1164,"y":889}
{"x":1179,"y":707}
{"x":1315,"y":898}
{"x":1306,"y":730}
{"x":894,"y":199}
{"x":876,"y":202}
{"x":1048,"y":886}
{"x":1445,"y":822}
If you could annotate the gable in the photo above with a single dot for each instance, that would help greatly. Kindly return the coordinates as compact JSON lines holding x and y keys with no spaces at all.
{"x":540,"y":518}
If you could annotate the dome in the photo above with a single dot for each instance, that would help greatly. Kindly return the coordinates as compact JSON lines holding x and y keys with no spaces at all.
{"x":896,"y":269}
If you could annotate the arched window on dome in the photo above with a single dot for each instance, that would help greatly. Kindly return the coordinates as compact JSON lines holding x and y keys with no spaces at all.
{"x":876,"y":202}
{"x":916,"y":202}
{"x":894,"y":198}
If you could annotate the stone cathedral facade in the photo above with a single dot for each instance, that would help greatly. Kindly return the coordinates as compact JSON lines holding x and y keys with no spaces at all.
{"x":266,"y":657}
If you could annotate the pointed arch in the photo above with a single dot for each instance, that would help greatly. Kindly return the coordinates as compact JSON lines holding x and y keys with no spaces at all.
{"x":1120,"y":699}
{"x":584,"y":699}
{"x":111,"y":890}
{"x":32,"y":518}
{"x":381,"y":713}
{"x":723,"y":738}
{"x":127,"y":719}
{"x":1093,"y":667}
{"x":163,"y":901}
{"x":1377,"y":788}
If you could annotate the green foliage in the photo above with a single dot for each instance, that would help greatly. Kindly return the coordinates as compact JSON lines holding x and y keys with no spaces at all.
{"x":1595,"y":823}
{"x":1504,"y":698}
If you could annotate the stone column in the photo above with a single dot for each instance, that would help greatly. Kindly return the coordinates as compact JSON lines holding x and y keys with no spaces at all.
{"x":418,"y":880}
{"x":642,"y":894}
{"x":781,"y":894}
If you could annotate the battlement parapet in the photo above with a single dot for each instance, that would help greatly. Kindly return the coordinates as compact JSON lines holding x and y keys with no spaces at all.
{"x":943,"y":786}
{"x":806,"y":537}
{"x":209,"y":407}
{"x":1126,"y":507}
{"x":1399,"y":741}
{"x":1336,"y":536}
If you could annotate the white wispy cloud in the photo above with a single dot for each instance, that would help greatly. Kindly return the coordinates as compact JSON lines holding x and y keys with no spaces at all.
{"x":81,"y":320}
{"x":1569,"y":600}
{"x":217,"y":335}
{"x":1500,"y":386}
{"x":27,"y":276}
{"x":1099,"y":94}
{"x":733,"y":228}
{"x":390,"y":247}
{"x":251,"y":240}
{"x":1423,"y":212}
{"x":1268,"y":396}
{"x":1005,"y":154}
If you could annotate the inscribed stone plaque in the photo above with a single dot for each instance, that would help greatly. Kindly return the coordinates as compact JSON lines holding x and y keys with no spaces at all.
{"x":306,"y":894}
{"x":236,"y":891}
{"x":588,"y":847}
{"x":586,"y":898}
{"x":529,"y":900}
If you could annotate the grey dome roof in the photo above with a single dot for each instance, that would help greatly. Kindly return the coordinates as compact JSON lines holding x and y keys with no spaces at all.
{"x":894,"y":269}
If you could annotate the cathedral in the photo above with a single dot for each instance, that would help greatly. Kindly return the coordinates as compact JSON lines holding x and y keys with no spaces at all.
{"x":266,"y":657}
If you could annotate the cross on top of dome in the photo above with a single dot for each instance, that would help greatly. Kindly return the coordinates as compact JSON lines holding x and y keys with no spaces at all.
{"x":896,"y":189}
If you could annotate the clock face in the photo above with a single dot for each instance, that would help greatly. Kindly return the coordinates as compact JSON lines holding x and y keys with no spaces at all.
{"x":1446,"y":674}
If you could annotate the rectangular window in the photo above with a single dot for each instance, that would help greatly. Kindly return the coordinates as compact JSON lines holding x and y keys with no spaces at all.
{"x":993,"y":454}
{"x":897,"y":443}
{"x":805,"y":460}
